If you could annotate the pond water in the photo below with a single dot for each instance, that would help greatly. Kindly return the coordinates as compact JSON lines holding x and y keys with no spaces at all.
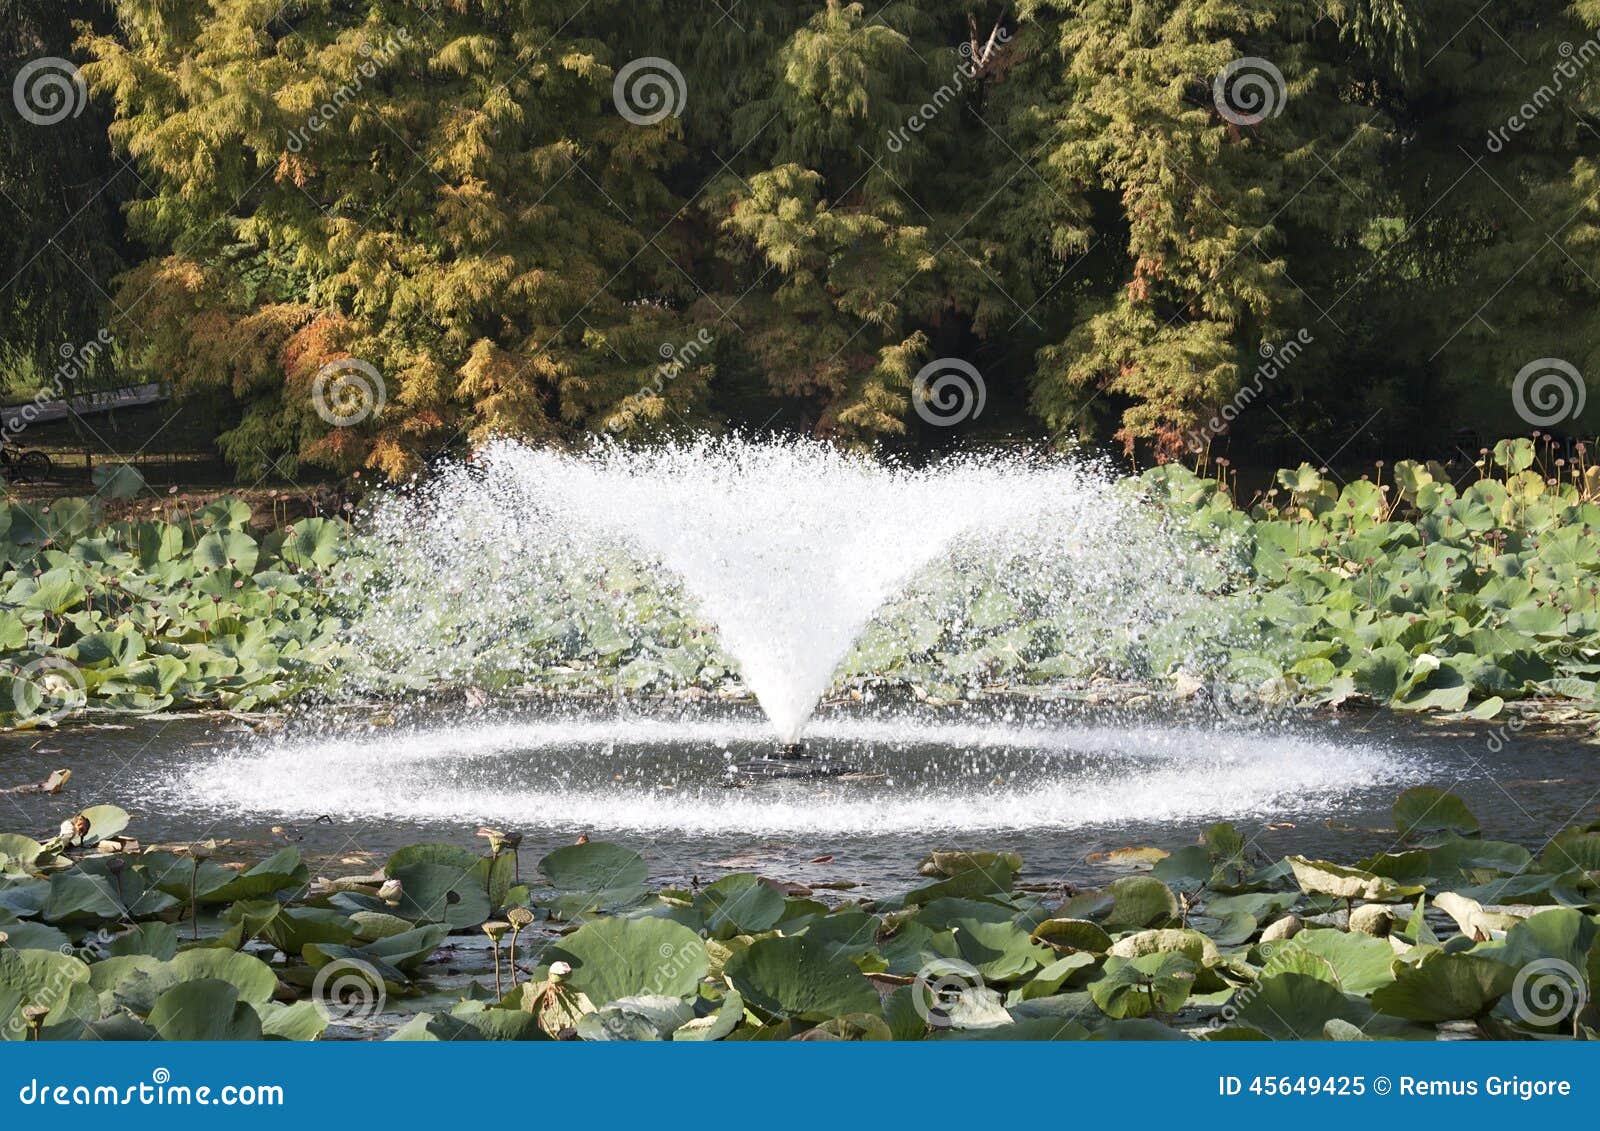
{"x":1054,"y":784}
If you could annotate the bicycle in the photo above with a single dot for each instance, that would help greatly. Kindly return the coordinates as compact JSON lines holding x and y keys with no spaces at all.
{"x":25,"y":466}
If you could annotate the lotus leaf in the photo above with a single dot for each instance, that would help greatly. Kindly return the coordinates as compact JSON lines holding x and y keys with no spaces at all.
{"x":1320,"y":877}
{"x":716,"y":1025}
{"x":1445,"y":987}
{"x":204,"y":1009}
{"x":1140,"y":901}
{"x":794,"y":979}
{"x":625,"y":958}
{"x":1135,"y":987}
{"x":1423,"y":809}
{"x":740,"y":904}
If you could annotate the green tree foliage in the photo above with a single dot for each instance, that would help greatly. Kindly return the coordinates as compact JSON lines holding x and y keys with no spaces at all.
{"x":1077,"y":196}
{"x":61,"y":237}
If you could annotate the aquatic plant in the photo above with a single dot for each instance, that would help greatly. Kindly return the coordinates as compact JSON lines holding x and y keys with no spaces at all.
{"x":1445,"y":935}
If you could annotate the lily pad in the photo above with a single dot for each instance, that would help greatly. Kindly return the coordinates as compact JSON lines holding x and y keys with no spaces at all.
{"x":793,"y":978}
{"x":626,"y":958}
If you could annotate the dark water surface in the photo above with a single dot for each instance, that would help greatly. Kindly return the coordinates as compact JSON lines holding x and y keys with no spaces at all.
{"x":1056,"y":788}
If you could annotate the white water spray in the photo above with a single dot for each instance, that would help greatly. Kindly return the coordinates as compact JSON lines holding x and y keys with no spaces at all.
{"x":783,"y":550}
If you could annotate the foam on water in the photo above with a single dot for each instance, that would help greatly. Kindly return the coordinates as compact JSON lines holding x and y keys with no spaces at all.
{"x":562,"y":774}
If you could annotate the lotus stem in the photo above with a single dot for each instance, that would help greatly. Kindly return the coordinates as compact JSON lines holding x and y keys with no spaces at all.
{"x":496,"y":929}
{"x":519,"y":917}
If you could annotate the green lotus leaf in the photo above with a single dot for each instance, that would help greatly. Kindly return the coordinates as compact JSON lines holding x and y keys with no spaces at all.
{"x":912,"y":946}
{"x":35,"y":936}
{"x":1002,"y":952}
{"x":740,"y":904}
{"x":204,"y":1009}
{"x":252,"y":980}
{"x":301,"y":1021}
{"x":1424,"y":809}
{"x":1445,"y":987}
{"x":496,"y":1024}
{"x":226,"y":549}
{"x":1049,"y":980}
{"x":282,"y":870}
{"x":441,"y":893}
{"x":159,"y":940}
{"x":794,"y":979}
{"x":1562,"y":934}
{"x":436,"y":1027}
{"x":1135,"y":987}
{"x":20,"y":850}
{"x":1297,"y":1007}
{"x":716,"y":1025}
{"x":1138,"y":1029}
{"x":1572,"y":850}
{"x":104,"y":821}
{"x":618,"y":958}
{"x":1029,"y":1029}
{"x":947,"y":865}
{"x":850,"y":1027}
{"x":644,"y":1018}
{"x":594,"y":867}
{"x":1361,"y":962}
{"x":313,"y":543}
{"x":994,"y":879}
{"x":89,"y":891}
{"x":119,"y":1027}
{"x":47,"y":978}
{"x":392,"y":957}
{"x":1140,"y":901}
{"x":1075,"y":934}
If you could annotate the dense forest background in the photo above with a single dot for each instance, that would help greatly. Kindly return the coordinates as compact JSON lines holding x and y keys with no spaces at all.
{"x":1271,"y":226}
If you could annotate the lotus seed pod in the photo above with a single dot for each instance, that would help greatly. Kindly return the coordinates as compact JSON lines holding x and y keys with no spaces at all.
{"x":1286,"y":928}
{"x":1375,"y":919}
{"x":200,"y":850}
{"x":496,"y":929}
{"x":519,"y":917}
{"x":391,"y":891}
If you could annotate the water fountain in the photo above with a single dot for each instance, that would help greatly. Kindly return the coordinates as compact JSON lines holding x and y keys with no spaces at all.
{"x":646,"y":593}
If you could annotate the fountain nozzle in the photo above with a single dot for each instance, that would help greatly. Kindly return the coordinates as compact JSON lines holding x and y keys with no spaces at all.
{"x":792,"y":751}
